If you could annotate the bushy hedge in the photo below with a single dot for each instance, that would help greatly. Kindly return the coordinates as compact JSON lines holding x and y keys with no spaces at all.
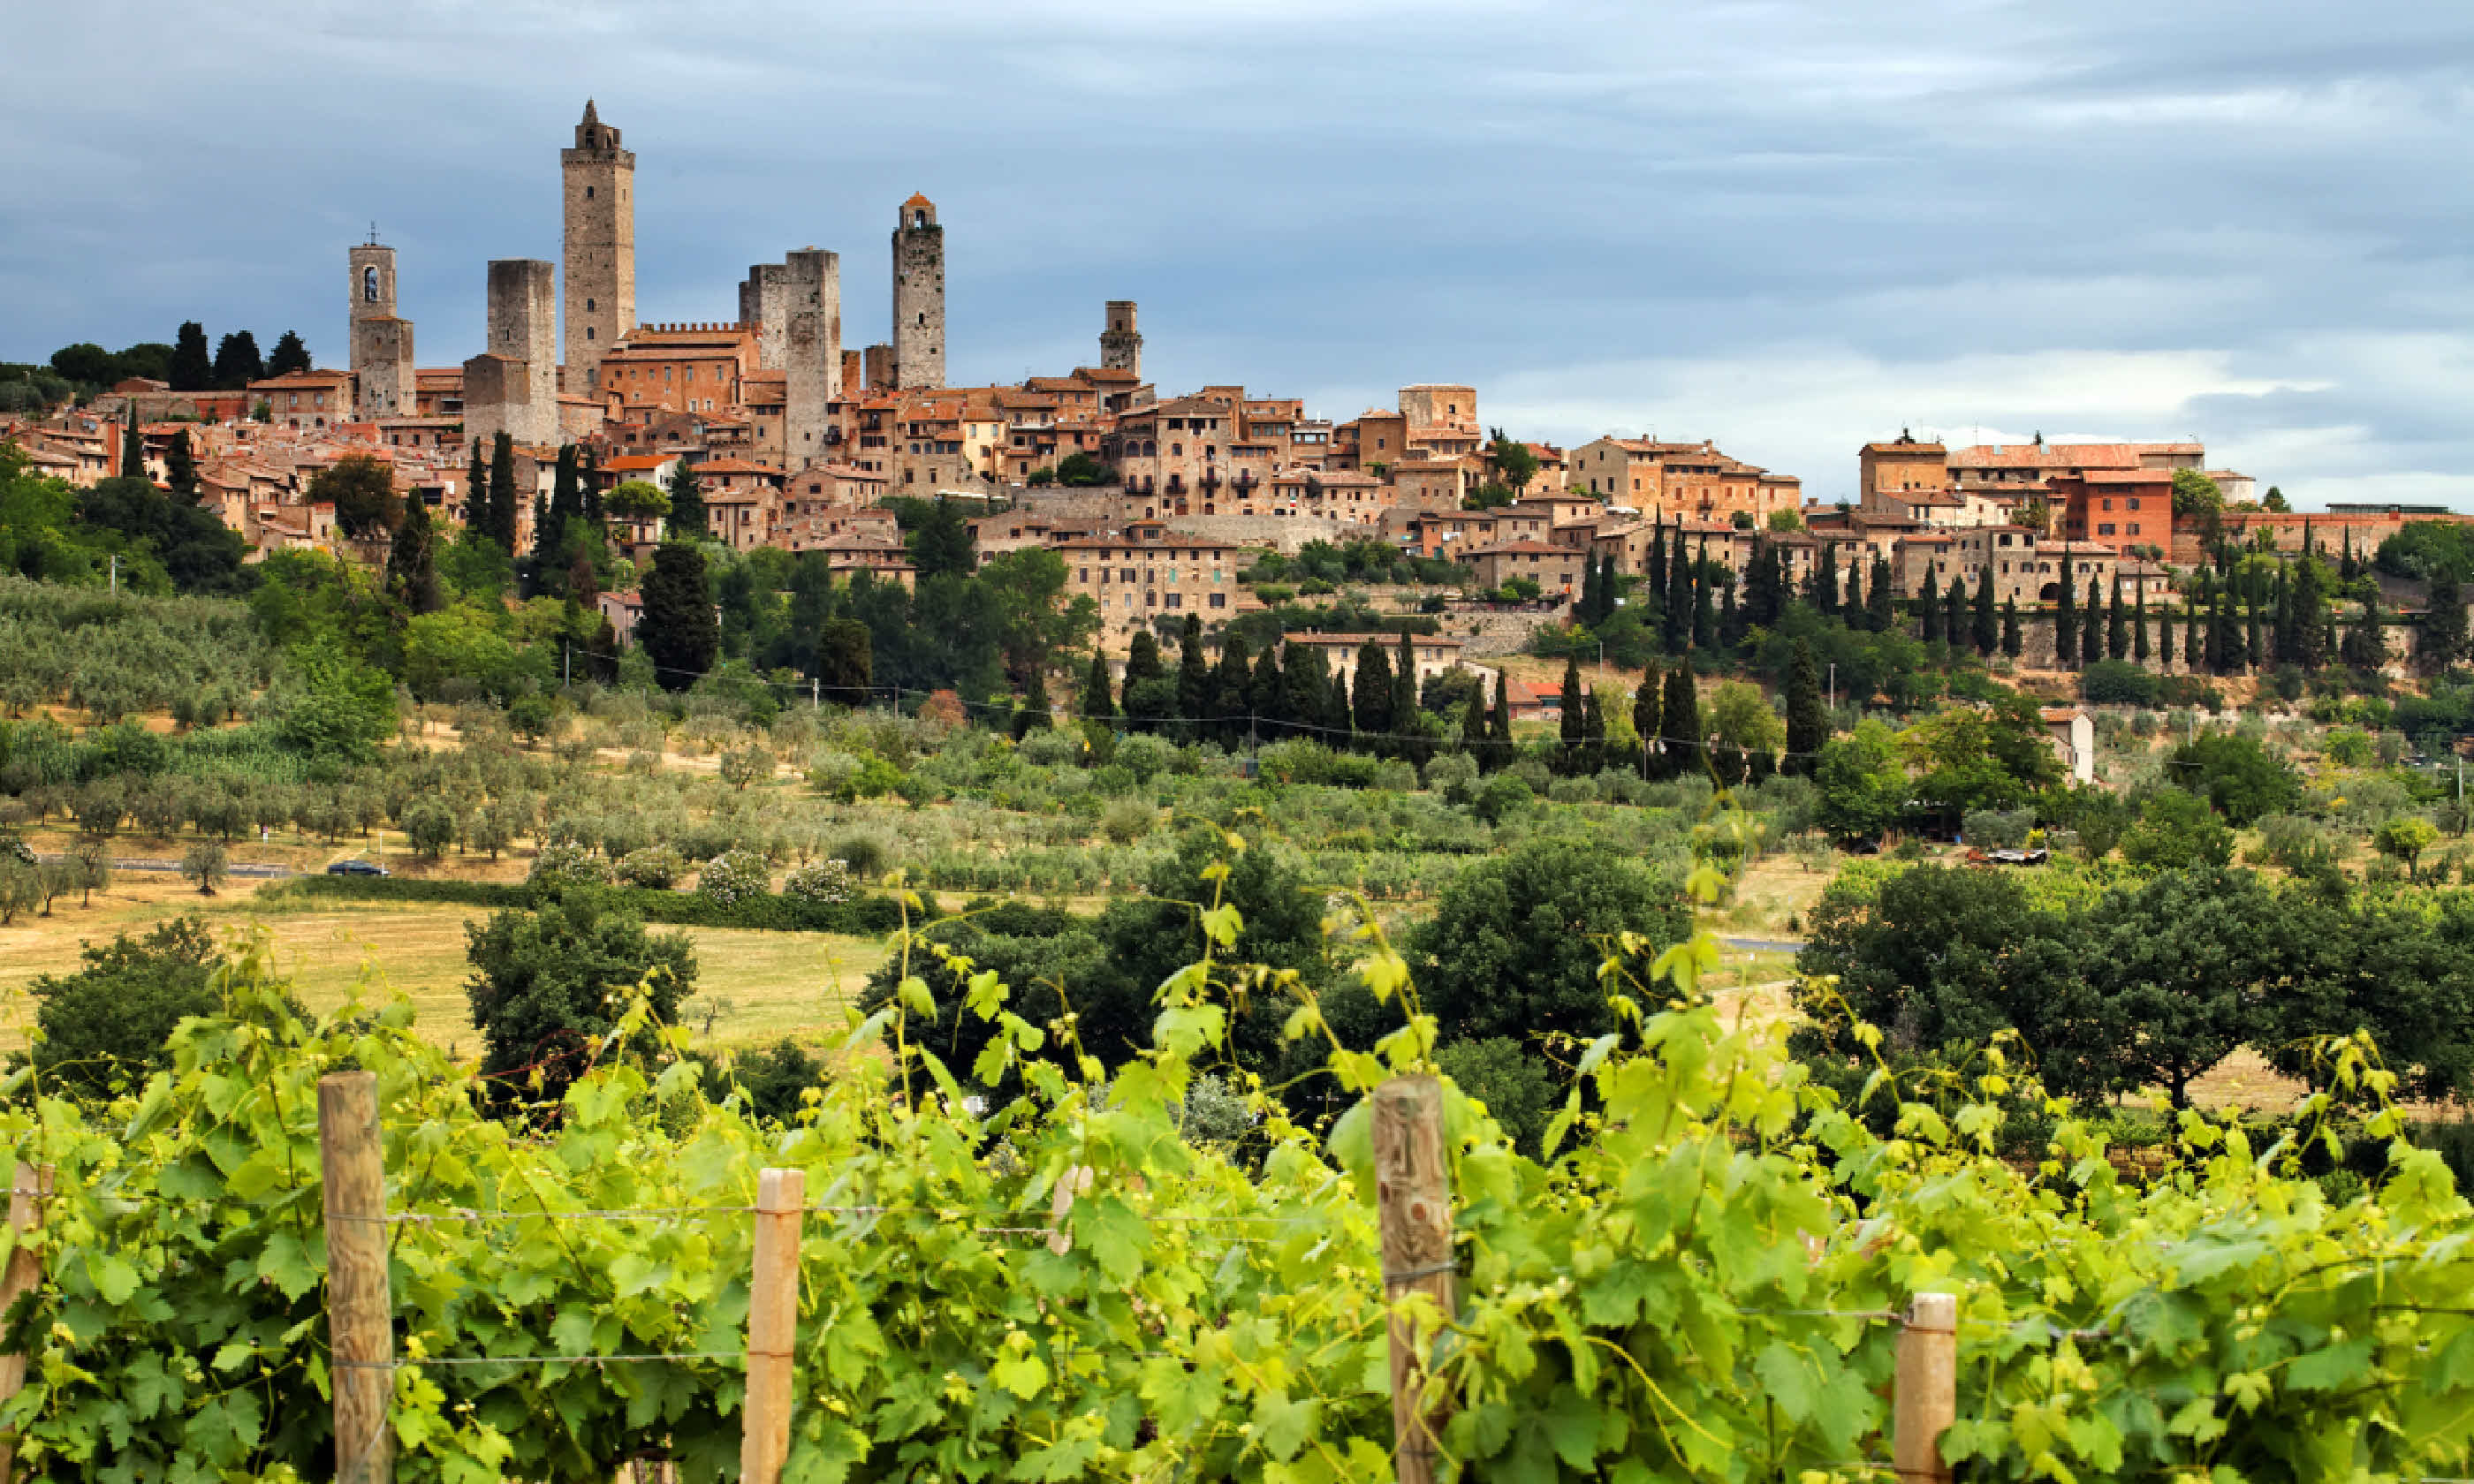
{"x":861,"y":917}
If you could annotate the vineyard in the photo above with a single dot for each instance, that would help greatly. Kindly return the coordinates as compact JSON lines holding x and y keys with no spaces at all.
{"x":1707,"y":1279}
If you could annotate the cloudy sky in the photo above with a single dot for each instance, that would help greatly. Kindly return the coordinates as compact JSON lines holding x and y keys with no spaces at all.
{"x":1790,"y":227}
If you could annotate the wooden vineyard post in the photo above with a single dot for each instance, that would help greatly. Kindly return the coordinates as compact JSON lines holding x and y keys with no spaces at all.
{"x":360,"y":1310}
{"x":27,"y":1194}
{"x":1414,"y":1200}
{"x":772,"y":1326}
{"x":1926,"y":1399}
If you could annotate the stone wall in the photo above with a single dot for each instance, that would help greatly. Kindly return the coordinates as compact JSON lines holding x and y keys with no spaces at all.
{"x":382,"y":363}
{"x":599,"y":213}
{"x":919,"y":302}
{"x":763,"y":302}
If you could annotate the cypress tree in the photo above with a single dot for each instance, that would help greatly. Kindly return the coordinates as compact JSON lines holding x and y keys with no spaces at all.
{"x":588,"y":478}
{"x":2139,"y":627}
{"x":1498,"y":730}
{"x":1881,"y":608}
{"x":1193,"y":676}
{"x":1678,"y":626}
{"x":1764,"y":583}
{"x":1825,"y":578}
{"x":2369,"y":643}
{"x":1572,"y":723}
{"x":1929,"y":614}
{"x":1266,"y":695}
{"x":2194,"y":646}
{"x":2117,"y":626}
{"x":1850,"y":605}
{"x":412,"y":573}
{"x":2310,"y":614}
{"x":1808,"y":720}
{"x":502,"y":494}
{"x":1650,"y":592}
{"x":1679,"y":721}
{"x":1034,"y":711}
{"x":1143,"y":660}
{"x":132,"y":453}
{"x":2165,"y":637}
{"x":1656,"y":571}
{"x":1594,"y":735}
{"x":476,"y":494}
{"x":2347,"y":570}
{"x":2444,"y":619}
{"x":1306,"y":689}
{"x":1371,"y":696}
{"x":687,"y":501}
{"x":2252,"y":653}
{"x":192,"y":367}
{"x":1408,"y":717}
{"x":1988,"y":635}
{"x":1730,"y":619}
{"x":1648,"y":705}
{"x":1953,"y":608}
{"x":181,"y":468}
{"x":679,"y":630}
{"x":1472,"y":726}
{"x":1096,"y":703}
{"x":1585,"y":611}
{"x":1610,"y":586}
{"x":1230,"y":680}
{"x":1705,"y":617}
{"x":2013,"y":642}
{"x":2092,"y":637}
{"x":2066,"y":620}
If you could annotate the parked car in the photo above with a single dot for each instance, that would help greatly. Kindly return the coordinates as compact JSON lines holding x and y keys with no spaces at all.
{"x":355,"y":868}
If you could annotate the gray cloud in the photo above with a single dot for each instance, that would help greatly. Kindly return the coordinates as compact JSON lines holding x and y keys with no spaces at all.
{"x":1786,"y":225}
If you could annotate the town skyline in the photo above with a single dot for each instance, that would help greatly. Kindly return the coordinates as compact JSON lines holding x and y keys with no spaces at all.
{"x":1764,"y":297}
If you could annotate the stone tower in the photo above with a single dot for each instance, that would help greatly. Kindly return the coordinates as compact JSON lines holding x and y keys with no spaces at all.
{"x":1121,"y":345}
{"x":513,"y":386}
{"x":811,"y":352}
{"x":600,"y":215}
{"x":763,"y":309}
{"x":918,"y":295}
{"x":381,"y":340}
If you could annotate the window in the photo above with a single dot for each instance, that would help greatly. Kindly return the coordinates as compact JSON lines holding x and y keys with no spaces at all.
{"x":587,"y":193}
{"x":2132,"y":503}
{"x":1220,"y":600}
{"x":587,"y":304}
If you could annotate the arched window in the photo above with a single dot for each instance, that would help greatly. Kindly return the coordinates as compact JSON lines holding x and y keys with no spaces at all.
{"x":369,"y":283}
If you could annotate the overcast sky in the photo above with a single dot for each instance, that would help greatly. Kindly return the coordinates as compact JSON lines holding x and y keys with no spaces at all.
{"x":1788,"y":226}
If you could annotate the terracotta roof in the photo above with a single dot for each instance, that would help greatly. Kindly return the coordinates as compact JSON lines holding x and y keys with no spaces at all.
{"x":1523,"y":548}
{"x":2065,"y":455}
{"x":916,"y":199}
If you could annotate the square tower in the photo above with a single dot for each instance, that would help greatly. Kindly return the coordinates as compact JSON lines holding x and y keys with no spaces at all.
{"x":762,"y":306}
{"x":1121,"y":345}
{"x":381,"y":343}
{"x":918,"y":295}
{"x":600,"y":215}
{"x":523,"y":306}
{"x":812,"y":351}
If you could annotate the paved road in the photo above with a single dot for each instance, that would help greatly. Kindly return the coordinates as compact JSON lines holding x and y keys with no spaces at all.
{"x":1763,"y":944}
{"x":235,"y":869}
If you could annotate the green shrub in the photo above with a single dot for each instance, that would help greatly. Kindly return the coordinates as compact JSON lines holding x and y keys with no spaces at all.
{"x":735,"y":877}
{"x":563,"y":862}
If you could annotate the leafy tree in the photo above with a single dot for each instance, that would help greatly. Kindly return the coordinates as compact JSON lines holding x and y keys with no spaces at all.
{"x":1516,"y":941}
{"x":637,"y":499}
{"x":204,"y":863}
{"x":181,"y":468}
{"x":1738,"y":716}
{"x":2176,"y":829}
{"x":844,"y":667}
{"x":2184,"y":966}
{"x":678,"y":628}
{"x":289,"y":355}
{"x":109,"y":1021}
{"x":2196,"y":494}
{"x":1026,"y":610}
{"x":1863,"y":789}
{"x":362,"y":490}
{"x":550,"y":984}
{"x":1083,"y":470}
{"x":1513,"y":464}
{"x":237,"y":362}
{"x":2237,"y":775}
{"x":2404,"y":839}
{"x":338,"y":709}
{"x":192,"y":368}
{"x":941,"y":542}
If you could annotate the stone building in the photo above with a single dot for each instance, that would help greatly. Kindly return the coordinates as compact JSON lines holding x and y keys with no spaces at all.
{"x":512,"y":386}
{"x":1663,"y":479}
{"x":382,"y":366}
{"x":918,"y":295}
{"x":1121,"y":345}
{"x":1900,"y":468}
{"x":812,"y":351}
{"x":601,"y":221}
{"x":1146,"y":571}
{"x":764,"y":307}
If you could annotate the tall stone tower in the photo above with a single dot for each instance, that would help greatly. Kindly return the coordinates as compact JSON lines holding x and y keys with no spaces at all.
{"x":381,"y":340}
{"x":918,"y":295}
{"x":1121,"y":345}
{"x":600,"y":214}
{"x":763,"y":309}
{"x":513,"y":386}
{"x":812,"y":351}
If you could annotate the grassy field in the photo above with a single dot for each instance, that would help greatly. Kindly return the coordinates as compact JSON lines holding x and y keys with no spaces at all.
{"x":751,"y":985}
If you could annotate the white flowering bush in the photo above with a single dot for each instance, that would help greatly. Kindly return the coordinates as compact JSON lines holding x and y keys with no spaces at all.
{"x":735,"y":875}
{"x":822,"y":880}
{"x":568,"y":861}
{"x":655,"y":866}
